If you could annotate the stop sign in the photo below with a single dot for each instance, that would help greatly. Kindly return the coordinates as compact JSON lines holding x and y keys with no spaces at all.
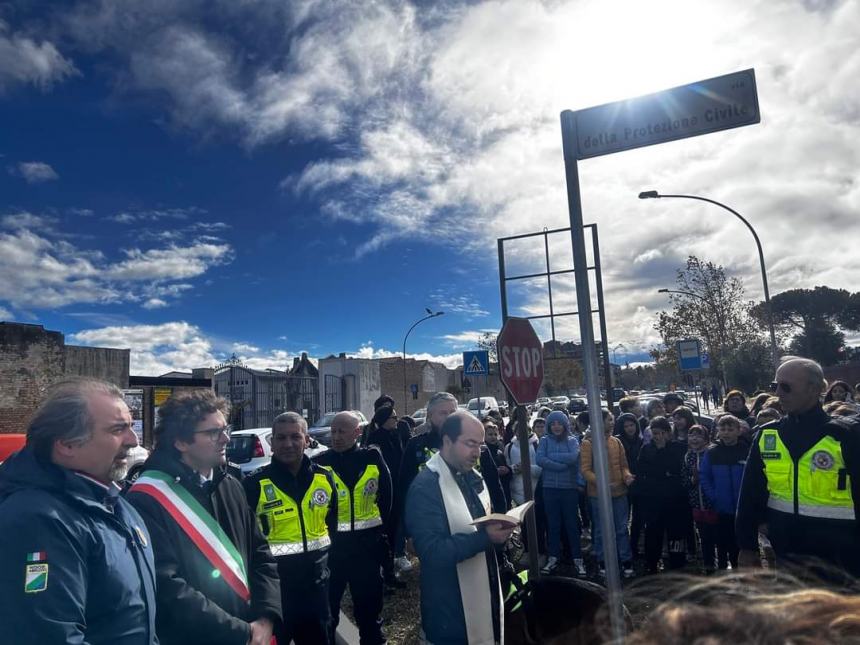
{"x":520,"y":360}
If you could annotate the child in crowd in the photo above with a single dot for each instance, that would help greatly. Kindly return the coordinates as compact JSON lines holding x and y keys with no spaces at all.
{"x":492,"y":440}
{"x":704,"y":515}
{"x":720,"y":473}
{"x":620,"y":478}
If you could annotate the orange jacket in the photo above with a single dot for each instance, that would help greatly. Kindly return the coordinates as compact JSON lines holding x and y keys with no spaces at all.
{"x":618,"y":468}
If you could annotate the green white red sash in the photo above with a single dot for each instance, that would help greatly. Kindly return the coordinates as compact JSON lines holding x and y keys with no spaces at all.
{"x":199,"y":525}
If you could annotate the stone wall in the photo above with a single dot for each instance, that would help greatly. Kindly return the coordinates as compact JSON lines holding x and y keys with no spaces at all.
{"x":109,"y":365}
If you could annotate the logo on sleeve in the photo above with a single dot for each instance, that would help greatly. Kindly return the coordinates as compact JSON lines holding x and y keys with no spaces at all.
{"x":36,"y":578}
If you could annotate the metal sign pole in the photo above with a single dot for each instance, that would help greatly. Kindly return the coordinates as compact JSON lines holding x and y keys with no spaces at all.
{"x":589,"y":355}
{"x":522,"y":426}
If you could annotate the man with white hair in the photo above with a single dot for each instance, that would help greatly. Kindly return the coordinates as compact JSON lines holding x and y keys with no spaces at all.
{"x":802,"y":478}
{"x":76,"y":561}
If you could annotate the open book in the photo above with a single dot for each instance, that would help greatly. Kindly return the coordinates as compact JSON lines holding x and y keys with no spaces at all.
{"x":512,"y":517}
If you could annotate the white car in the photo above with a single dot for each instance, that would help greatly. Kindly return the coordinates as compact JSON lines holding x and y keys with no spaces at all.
{"x":136,"y":457}
{"x":481,"y":409}
{"x":251,"y":449}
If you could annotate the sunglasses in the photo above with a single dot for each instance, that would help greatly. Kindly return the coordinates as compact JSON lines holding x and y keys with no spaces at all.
{"x":782,"y":387}
{"x":215,"y":433}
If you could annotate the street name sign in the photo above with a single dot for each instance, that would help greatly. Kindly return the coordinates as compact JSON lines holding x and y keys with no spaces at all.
{"x":520,"y":360}
{"x":711,"y":105}
{"x":689,"y":355}
{"x":476,"y":363}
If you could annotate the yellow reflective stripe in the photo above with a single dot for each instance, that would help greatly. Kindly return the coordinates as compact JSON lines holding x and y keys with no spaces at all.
{"x":345,"y":527}
{"x":811,"y":510}
{"x":292,"y":548}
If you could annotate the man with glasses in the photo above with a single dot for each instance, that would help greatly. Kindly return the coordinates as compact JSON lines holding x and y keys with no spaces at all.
{"x":217,"y":581}
{"x":460,"y":590}
{"x":802,"y":478}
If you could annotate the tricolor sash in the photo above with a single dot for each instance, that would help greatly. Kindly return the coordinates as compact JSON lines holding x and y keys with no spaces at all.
{"x":199,"y":525}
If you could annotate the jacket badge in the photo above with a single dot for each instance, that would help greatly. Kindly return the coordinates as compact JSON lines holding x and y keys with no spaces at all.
{"x":141,"y":536}
{"x":269,"y":492}
{"x":320,"y":497}
{"x":370,"y":487}
{"x":770,"y":441}
{"x":36,"y":578}
{"x":822,"y":460}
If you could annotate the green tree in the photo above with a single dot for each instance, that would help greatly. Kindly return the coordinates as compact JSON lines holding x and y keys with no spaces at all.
{"x":712,"y":308}
{"x":815,"y":319}
{"x":487,"y":341}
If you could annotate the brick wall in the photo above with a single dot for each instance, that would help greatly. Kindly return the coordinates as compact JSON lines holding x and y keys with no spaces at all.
{"x":31,"y":359}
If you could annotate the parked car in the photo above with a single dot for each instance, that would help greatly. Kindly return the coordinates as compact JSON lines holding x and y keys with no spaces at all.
{"x":11,"y":443}
{"x":482,"y":406}
{"x":321,"y":430}
{"x":560,"y":402}
{"x":577,"y":405}
{"x":419,"y":415}
{"x":543,"y":401}
{"x":252,"y":448}
{"x":136,"y":457}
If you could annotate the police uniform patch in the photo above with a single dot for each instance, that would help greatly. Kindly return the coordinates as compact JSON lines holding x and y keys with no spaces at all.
{"x":770,"y":441}
{"x":269,"y":492}
{"x":320,"y":497}
{"x":36,"y":578}
{"x":371,"y":486}
{"x":822,"y":460}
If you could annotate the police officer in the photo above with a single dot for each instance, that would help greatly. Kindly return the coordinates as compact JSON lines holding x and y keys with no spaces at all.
{"x":296,"y":504}
{"x":364,"y":502}
{"x":802,"y":477}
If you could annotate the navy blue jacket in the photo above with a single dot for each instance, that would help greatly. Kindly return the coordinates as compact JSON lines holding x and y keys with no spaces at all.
{"x":721,"y":471}
{"x":100,"y":570}
{"x":442,"y":616}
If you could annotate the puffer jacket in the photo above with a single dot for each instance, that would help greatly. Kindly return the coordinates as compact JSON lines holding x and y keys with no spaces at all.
{"x":512,"y":452}
{"x":618,"y":468}
{"x":99,"y":584}
{"x":721,"y":471}
{"x":558,"y":456}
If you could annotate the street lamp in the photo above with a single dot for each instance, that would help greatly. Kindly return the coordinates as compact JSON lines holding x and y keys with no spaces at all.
{"x":653,"y":194}
{"x":430,"y":314}
{"x":615,"y":360}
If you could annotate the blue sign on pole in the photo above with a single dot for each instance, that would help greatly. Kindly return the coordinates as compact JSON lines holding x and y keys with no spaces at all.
{"x":476,"y":363}
{"x":706,"y":361}
{"x":689,"y":355}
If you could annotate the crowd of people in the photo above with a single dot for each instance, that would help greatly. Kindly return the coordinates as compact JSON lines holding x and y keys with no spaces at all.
{"x":188,"y":553}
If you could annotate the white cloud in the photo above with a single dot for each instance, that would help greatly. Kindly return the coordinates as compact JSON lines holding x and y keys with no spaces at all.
{"x":155,"y":214}
{"x":34,"y":172}
{"x":37,"y":272}
{"x":181,"y":346}
{"x":466,"y":339}
{"x":367,"y":350}
{"x":26,"y":61}
{"x":5,"y":314}
{"x":154,"y":303}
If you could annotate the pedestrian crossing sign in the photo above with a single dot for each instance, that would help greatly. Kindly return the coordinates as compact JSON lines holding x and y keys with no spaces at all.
{"x":476,"y":363}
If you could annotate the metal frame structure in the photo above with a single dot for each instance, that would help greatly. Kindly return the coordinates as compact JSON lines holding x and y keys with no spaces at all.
{"x":552,"y":315}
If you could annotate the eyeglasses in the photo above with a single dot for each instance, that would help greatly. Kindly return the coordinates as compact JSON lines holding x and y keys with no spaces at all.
{"x":215,"y":433}
{"x":784,"y":387}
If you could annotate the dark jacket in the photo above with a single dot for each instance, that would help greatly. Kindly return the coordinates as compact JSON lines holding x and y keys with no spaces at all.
{"x":720,"y":473}
{"x":100,"y":581}
{"x":350,"y":465}
{"x":389,"y":444}
{"x":442,"y":616}
{"x":303,"y":569}
{"x":795,"y":535}
{"x":193,"y":605}
{"x":691,"y":478}
{"x":659,"y":471}
{"x":632,"y":445}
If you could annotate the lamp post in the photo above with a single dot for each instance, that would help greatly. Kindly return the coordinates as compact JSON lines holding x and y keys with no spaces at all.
{"x":430,"y":314}
{"x":720,"y":323}
{"x":615,"y":361}
{"x":653,"y":194}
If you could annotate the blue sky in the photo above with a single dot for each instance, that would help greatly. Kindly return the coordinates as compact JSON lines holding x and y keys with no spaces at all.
{"x":192,"y":179}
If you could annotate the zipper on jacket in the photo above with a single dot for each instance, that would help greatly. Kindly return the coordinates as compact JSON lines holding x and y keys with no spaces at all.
{"x":302,"y":523}
{"x":796,"y":509}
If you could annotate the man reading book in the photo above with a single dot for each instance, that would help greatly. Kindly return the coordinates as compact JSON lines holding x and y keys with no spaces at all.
{"x":460,"y":592}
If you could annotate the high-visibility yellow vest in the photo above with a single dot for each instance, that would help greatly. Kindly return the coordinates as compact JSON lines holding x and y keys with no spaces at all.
{"x":356,"y":508}
{"x":820,"y":481}
{"x":294,"y":528}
